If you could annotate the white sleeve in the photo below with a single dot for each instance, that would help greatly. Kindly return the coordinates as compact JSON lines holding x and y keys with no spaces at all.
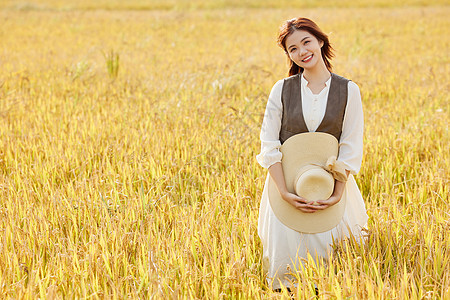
{"x":270,"y":129}
{"x":351,"y":141}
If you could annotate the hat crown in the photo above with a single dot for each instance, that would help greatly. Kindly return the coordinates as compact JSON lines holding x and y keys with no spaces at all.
{"x":314,"y":183}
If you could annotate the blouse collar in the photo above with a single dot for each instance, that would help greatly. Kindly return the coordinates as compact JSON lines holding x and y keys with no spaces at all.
{"x":305,"y":82}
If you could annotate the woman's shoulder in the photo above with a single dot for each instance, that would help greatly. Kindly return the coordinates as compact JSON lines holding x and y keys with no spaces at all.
{"x":340,"y":78}
{"x":278,"y":86}
{"x":352,"y":86}
{"x":275,"y":94}
{"x":292,"y":77}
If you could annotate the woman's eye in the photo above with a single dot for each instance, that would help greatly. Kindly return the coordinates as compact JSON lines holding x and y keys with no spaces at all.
{"x":293,"y":49}
{"x":306,"y":42}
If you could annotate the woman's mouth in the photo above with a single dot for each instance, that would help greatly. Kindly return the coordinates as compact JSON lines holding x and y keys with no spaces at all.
{"x":307,"y":59}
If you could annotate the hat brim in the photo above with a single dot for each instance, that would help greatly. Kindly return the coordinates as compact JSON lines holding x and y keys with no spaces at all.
{"x":299,"y":150}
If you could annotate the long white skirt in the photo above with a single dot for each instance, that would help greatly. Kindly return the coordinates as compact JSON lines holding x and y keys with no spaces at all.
{"x":283,"y":247}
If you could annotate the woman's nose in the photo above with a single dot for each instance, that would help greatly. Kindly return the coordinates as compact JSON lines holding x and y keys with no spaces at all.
{"x":302,"y":51}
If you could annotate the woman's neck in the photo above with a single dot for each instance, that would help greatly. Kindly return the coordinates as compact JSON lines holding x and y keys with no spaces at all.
{"x":320,"y":74}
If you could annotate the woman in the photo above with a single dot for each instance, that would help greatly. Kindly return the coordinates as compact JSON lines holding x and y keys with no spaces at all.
{"x":309,"y":52}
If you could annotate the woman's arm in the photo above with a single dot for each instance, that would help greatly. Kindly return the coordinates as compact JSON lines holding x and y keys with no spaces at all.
{"x":270,"y":129}
{"x":351,"y":142}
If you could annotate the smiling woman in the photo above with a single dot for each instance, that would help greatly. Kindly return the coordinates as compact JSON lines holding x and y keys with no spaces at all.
{"x":307,"y":113}
{"x":295,"y":38}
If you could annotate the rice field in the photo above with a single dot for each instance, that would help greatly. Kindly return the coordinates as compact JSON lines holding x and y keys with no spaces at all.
{"x":128,"y":137}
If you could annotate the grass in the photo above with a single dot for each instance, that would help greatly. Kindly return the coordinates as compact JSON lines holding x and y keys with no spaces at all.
{"x":147,"y":185}
{"x":112,"y":60}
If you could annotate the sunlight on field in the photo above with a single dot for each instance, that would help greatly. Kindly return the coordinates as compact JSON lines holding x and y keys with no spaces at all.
{"x":203,"y":4}
{"x":128,"y":143}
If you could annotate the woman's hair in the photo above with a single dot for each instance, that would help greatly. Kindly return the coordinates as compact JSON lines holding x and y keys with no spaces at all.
{"x":292,"y":25}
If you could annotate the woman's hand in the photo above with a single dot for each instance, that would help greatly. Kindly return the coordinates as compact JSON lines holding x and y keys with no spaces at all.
{"x":276,"y":172}
{"x":323,"y":204}
{"x":299,"y":202}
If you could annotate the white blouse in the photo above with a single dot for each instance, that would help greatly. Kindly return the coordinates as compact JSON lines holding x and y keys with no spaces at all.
{"x":314,"y":106}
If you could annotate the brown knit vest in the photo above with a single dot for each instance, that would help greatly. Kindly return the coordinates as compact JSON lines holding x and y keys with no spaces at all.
{"x":292,"y":121}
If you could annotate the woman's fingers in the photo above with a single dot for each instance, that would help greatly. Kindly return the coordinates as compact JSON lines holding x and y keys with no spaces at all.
{"x":303,"y":205}
{"x":299,"y":199}
{"x":309,"y":211}
{"x":323,"y":204}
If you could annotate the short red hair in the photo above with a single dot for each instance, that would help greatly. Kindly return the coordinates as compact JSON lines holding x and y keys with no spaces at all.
{"x":306,"y":24}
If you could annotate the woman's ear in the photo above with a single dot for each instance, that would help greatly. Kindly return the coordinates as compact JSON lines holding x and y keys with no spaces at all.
{"x":321,"y":43}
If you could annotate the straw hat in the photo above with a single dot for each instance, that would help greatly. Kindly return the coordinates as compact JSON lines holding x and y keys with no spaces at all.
{"x":310,"y":168}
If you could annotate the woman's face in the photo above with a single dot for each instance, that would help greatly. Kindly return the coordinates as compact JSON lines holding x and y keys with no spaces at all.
{"x":304,"y":49}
